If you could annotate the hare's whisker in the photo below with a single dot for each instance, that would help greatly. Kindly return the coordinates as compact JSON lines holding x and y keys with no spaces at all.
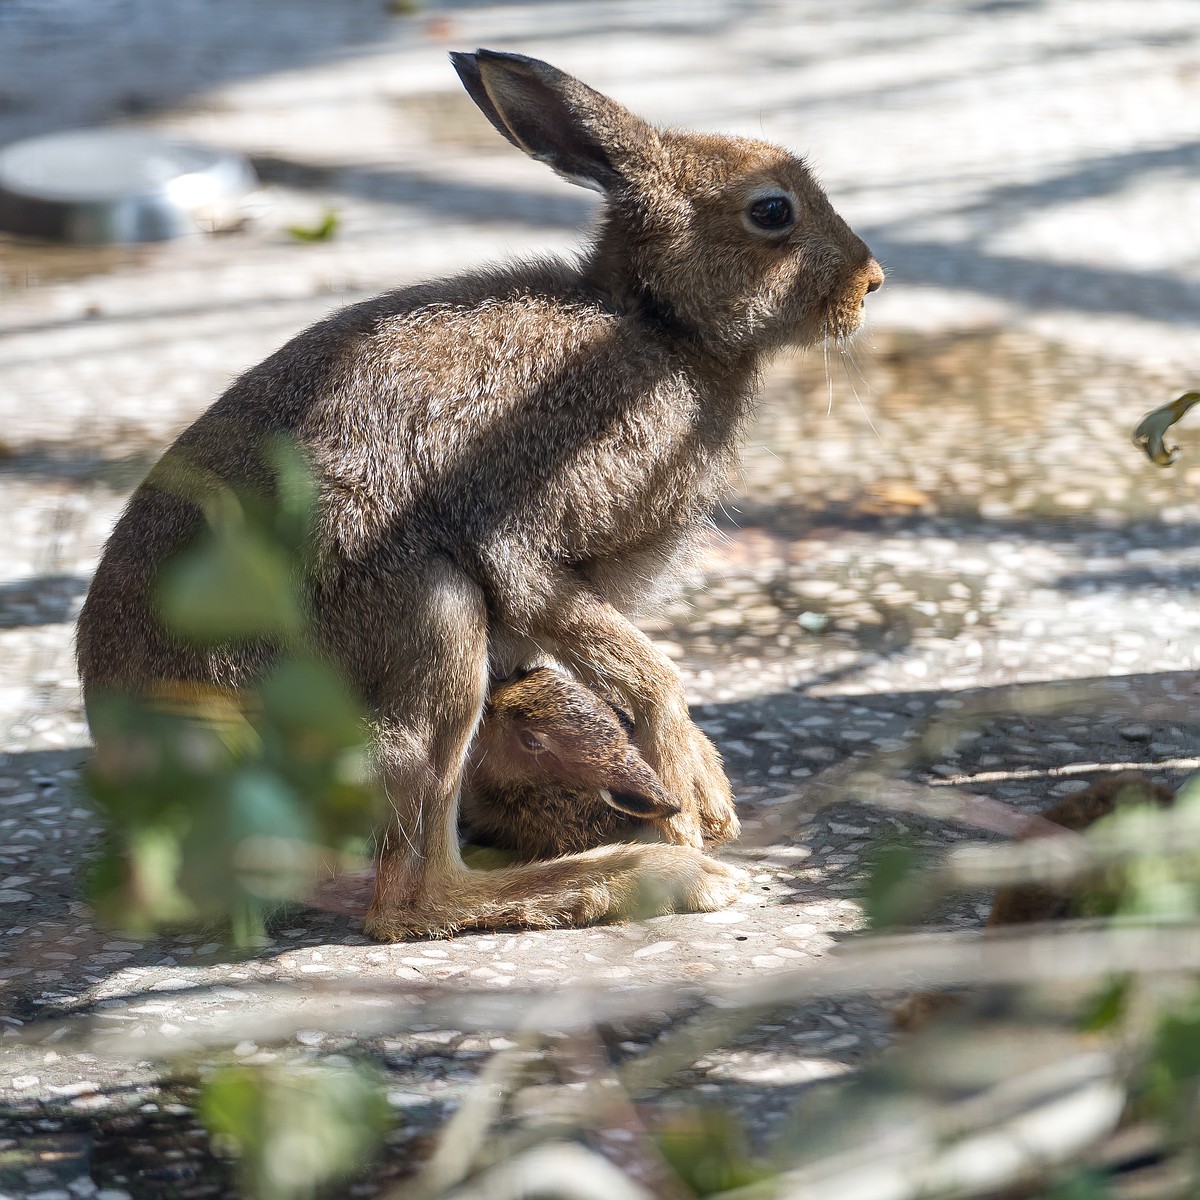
{"x":825,"y":337}
{"x":731,"y":512}
{"x":863,"y":409}
{"x":401,"y":825}
{"x":849,"y":359}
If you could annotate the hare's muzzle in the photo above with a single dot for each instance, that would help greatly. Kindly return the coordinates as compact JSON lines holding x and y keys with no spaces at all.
{"x":870,"y":279}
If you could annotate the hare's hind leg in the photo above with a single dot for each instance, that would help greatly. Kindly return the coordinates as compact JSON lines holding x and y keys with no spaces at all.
{"x":430,"y":680}
{"x":615,"y":883}
{"x":425,"y":659}
{"x":609,"y":883}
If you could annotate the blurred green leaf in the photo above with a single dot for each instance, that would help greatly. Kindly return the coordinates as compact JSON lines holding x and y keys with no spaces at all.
{"x":1173,"y":1070}
{"x":218,"y":805}
{"x":1187,"y":795}
{"x":293,"y":506}
{"x":1107,"y":1007}
{"x":323,"y":231}
{"x":136,"y":888}
{"x":1177,"y":1045}
{"x":262,"y":805}
{"x":241,"y":580}
{"x":1083,"y":1185}
{"x":890,"y":893}
{"x":294,"y":1128}
{"x":235,"y":585}
{"x":1161,"y":884}
{"x":307,"y":702}
{"x":316,"y":736}
{"x":708,"y":1149}
{"x":1160,"y":887}
{"x":252,"y":841}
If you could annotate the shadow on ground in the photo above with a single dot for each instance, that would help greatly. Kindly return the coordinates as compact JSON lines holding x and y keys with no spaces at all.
{"x":1017,"y":743}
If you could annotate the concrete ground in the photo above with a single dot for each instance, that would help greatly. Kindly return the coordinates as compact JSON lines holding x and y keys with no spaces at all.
{"x":942,"y":523}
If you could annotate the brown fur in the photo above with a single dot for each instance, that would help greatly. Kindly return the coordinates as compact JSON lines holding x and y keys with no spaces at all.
{"x":1018,"y":905}
{"x":554,"y":771}
{"x":506,"y":463}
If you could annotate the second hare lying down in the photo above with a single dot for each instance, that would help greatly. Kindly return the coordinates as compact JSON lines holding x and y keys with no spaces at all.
{"x":507,"y":464}
{"x":554,"y":771}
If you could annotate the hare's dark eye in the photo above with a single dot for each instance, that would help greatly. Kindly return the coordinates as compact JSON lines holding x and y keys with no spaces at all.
{"x":532,"y":742}
{"x":771,"y":212}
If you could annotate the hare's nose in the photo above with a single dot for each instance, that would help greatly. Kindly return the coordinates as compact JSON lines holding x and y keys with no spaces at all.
{"x":874,"y":276}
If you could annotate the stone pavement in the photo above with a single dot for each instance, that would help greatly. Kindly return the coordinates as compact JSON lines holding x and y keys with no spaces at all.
{"x":943,"y":522}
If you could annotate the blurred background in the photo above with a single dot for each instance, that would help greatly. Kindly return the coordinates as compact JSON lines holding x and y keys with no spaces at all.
{"x":946,"y":513}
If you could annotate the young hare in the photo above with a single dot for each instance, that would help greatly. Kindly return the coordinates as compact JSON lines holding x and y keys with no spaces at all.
{"x":506,"y":462}
{"x":554,"y":771}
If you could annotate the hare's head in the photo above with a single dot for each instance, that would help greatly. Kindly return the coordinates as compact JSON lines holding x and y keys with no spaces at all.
{"x":542,"y":728}
{"x":727,"y":239}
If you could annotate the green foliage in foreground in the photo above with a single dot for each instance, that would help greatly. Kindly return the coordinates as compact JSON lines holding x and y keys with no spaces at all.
{"x":1084,"y":1185}
{"x":707,"y":1148}
{"x":323,"y":231}
{"x":294,"y":1128}
{"x":219,"y":807}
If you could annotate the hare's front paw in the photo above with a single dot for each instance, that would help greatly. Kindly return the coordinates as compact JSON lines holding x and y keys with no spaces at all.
{"x":714,"y":797}
{"x":693,"y":774}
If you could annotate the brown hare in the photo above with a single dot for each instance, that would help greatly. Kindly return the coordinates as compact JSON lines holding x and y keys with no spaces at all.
{"x":507,"y":463}
{"x":554,"y":771}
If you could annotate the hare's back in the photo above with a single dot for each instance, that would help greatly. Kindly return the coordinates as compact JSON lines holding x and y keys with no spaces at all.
{"x":529,"y":401}
{"x":441,"y":362}
{"x":386,"y":390}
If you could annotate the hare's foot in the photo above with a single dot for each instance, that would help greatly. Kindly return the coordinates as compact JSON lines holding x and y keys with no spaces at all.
{"x":714,"y":797}
{"x":583,"y":905}
{"x":605,"y":651}
{"x":613,"y":883}
{"x":675,"y":879}
{"x":691,"y":770}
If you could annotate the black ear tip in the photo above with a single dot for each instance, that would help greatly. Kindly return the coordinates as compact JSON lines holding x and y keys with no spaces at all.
{"x":464,"y":62}
{"x":506,"y":57}
{"x":645,"y":806}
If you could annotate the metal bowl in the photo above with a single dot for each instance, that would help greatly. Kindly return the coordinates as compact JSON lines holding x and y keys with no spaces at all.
{"x":116,"y":186}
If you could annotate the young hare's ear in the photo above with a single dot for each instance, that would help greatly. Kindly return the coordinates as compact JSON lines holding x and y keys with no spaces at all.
{"x":585,"y":137}
{"x":652,"y":807}
{"x":630,"y":786}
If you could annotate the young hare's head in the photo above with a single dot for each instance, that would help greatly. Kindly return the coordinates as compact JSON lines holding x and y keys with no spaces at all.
{"x":725,"y":239}
{"x":542,"y":729}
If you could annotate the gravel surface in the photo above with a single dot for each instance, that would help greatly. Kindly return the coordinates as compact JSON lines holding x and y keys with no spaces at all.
{"x":948,"y":526}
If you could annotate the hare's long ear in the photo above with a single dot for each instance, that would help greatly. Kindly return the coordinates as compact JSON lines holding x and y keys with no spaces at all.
{"x":632,"y":787}
{"x":584,"y":136}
